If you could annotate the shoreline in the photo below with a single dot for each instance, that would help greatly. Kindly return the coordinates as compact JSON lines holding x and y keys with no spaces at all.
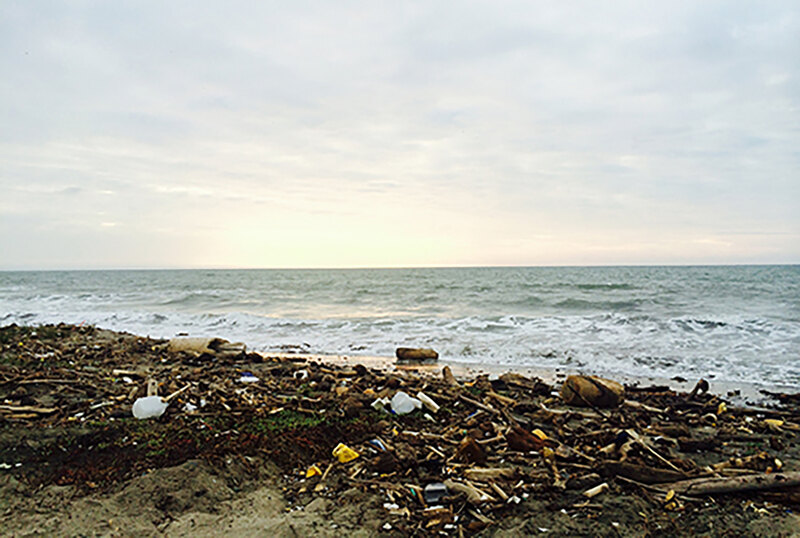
{"x":295,"y":445}
{"x":740,"y":393}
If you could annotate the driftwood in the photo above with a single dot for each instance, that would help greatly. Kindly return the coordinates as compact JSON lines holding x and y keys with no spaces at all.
{"x":641,"y":473}
{"x":474,"y":495}
{"x":28,"y":409}
{"x":415,"y":354}
{"x":483,"y":473}
{"x":716,"y":486}
{"x":210,"y":346}
{"x":592,"y":391}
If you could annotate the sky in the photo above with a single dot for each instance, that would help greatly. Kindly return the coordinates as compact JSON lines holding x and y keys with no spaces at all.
{"x":138,"y":134}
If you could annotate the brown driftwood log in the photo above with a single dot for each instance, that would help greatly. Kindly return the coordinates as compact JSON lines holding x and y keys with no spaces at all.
{"x":716,"y":486}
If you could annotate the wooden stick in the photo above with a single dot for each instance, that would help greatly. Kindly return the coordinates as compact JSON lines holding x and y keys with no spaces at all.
{"x":28,"y":408}
{"x":478,"y":404}
{"x":171,"y":396}
{"x":636,"y":437}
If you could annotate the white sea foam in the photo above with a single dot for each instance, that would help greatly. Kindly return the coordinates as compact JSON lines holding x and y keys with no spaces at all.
{"x":741,"y":324}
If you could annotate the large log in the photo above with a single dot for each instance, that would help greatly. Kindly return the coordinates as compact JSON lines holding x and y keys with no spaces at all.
{"x":416,"y":354}
{"x":751,"y":482}
{"x":591,"y":391}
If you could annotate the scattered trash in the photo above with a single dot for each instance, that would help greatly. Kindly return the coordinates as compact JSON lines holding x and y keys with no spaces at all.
{"x":344,"y":453}
{"x":479,"y":448}
{"x":149,"y":407}
{"x":403,"y":404}
{"x":428,"y":402}
{"x":434,"y":492}
{"x":314,"y":470}
{"x":247,"y":377}
{"x":380,"y":404}
{"x":595,"y":491}
{"x":301,"y":375}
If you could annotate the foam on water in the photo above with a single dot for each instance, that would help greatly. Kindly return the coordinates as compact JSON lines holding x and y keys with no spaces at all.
{"x":735,"y":323}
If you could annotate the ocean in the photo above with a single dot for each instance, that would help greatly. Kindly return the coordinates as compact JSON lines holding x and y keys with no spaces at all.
{"x":730,"y":323}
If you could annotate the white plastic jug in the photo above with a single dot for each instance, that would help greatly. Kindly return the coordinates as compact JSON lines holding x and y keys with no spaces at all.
{"x":149,"y":407}
{"x":402,"y":403}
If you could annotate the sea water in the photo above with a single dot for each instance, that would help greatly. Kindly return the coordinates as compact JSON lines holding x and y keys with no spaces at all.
{"x":732,"y":323}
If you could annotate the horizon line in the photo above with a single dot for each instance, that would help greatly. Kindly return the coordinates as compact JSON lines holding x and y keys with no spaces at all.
{"x":401,"y":267}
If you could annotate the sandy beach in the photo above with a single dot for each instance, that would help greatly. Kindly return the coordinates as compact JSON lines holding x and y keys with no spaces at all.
{"x":245,"y":448}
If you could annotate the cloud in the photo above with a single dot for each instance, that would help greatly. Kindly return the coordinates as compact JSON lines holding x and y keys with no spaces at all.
{"x":630,"y":121}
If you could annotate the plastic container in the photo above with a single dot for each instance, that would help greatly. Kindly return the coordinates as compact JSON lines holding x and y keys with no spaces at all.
{"x":428,"y":402}
{"x":434,"y":492}
{"x":380,"y":404}
{"x":149,"y":407}
{"x":403,"y":404}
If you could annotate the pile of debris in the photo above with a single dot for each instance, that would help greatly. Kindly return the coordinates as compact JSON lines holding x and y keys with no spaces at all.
{"x":446,"y":455}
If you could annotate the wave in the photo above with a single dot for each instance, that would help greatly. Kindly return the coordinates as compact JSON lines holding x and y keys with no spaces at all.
{"x":584,"y":304}
{"x":647,"y":321}
{"x":192,"y":299}
{"x":592,"y":287}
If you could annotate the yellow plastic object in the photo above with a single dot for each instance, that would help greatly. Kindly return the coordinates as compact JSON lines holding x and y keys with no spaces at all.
{"x":344,"y":453}
{"x":313,"y":471}
{"x":540,"y":434}
{"x":773,"y":423}
{"x":721,"y":408}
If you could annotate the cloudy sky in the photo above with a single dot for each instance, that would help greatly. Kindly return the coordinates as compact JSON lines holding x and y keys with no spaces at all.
{"x":337,"y":134}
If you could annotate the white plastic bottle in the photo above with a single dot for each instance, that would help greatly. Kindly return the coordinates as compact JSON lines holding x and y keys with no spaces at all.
{"x":149,"y":407}
{"x":403,"y":404}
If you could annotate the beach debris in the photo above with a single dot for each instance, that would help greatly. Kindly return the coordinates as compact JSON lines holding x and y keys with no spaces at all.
{"x":149,"y":407}
{"x":380,"y":404}
{"x":210,"y":346}
{"x":247,"y":377}
{"x":344,"y":453}
{"x":428,"y":402}
{"x":699,"y":389}
{"x":415,"y":354}
{"x":403,"y":404}
{"x":595,"y":491}
{"x":312,"y":471}
{"x":434,"y":492}
{"x":477,"y":450}
{"x":449,"y":378}
{"x":735,"y":484}
{"x":592,"y":391}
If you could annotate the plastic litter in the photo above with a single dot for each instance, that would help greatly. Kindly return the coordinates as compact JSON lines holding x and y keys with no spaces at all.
{"x":428,"y":402}
{"x":434,"y":492}
{"x":595,"y":491}
{"x":149,"y":407}
{"x":301,"y":375}
{"x":247,"y":377}
{"x":313,"y":471}
{"x":377,"y":443}
{"x":344,"y":453}
{"x":380,"y":404}
{"x":402,"y":403}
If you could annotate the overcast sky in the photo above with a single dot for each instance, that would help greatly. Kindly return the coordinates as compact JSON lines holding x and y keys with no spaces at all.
{"x":336,"y":134}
